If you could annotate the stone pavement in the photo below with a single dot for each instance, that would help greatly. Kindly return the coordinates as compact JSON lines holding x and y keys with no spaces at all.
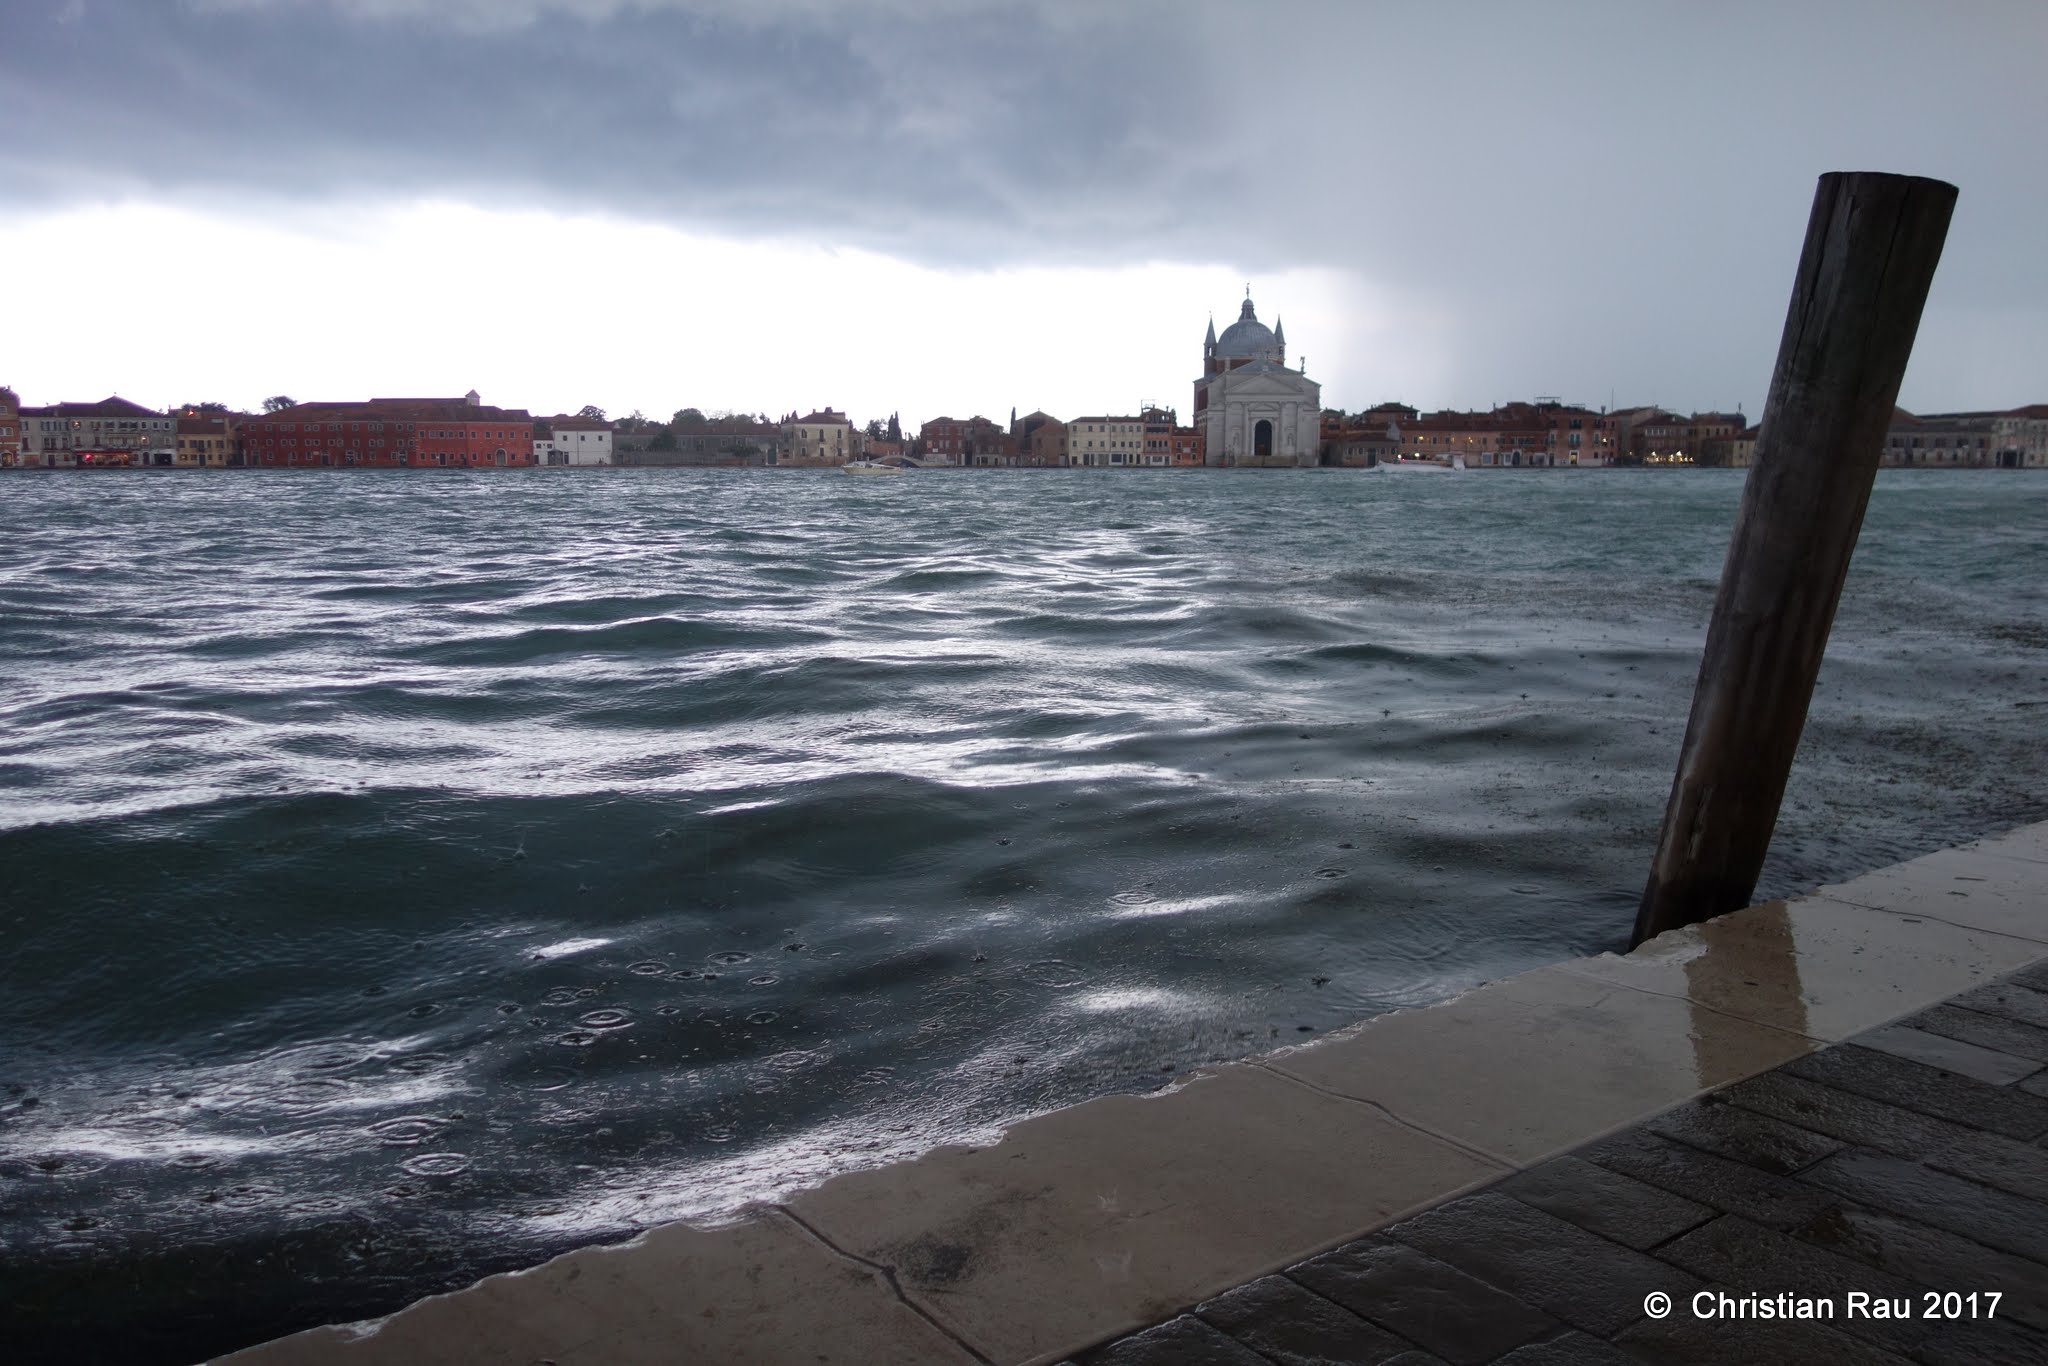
{"x":1909,"y":1164}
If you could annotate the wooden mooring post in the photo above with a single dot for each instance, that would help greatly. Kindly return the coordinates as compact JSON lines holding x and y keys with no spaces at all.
{"x":1871,"y":247}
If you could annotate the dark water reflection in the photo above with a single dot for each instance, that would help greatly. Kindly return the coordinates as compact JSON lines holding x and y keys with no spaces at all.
{"x":407,"y":878}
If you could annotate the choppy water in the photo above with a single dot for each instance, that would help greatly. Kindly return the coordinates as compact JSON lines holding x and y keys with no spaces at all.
{"x":403,"y":878}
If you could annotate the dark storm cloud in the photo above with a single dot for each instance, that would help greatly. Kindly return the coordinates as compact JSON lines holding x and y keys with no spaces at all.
{"x":964,"y":133}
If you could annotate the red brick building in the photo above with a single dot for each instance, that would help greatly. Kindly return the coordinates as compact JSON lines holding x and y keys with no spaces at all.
{"x":1448,"y":435}
{"x":1519,"y":435}
{"x":1578,"y":435}
{"x":1364,"y":439}
{"x":1034,"y":449}
{"x":457,"y":433}
{"x":1047,"y":443}
{"x":968,"y":441}
{"x":10,"y":429}
{"x":1167,"y":442}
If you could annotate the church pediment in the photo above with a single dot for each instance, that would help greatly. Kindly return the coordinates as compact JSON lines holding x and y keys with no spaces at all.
{"x":1289,"y":385}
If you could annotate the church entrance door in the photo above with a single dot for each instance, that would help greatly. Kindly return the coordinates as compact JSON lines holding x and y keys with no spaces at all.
{"x":1262,"y":440}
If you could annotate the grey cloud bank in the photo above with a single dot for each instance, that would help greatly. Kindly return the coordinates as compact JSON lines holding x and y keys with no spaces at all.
{"x":1575,"y":198}
{"x":986,"y":135}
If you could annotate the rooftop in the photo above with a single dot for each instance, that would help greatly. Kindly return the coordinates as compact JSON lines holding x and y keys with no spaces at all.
{"x":397,"y":409}
{"x":111,"y":406}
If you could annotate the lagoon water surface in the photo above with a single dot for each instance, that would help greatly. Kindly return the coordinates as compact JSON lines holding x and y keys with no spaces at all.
{"x":408,"y":876}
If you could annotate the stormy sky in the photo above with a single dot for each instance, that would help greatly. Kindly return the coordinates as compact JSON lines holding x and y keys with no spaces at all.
{"x":964,"y":205}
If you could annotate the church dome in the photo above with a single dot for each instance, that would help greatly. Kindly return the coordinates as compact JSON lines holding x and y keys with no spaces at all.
{"x":1249,"y":339}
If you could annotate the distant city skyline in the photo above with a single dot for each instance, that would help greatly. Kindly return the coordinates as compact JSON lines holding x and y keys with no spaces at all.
{"x":958,"y":206}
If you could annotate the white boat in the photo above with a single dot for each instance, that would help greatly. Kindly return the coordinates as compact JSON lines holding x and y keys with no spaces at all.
{"x":870,"y":467}
{"x":1423,"y":462}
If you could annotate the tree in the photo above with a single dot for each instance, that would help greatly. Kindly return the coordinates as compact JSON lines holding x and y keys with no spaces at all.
{"x":591,"y":411}
{"x":687,"y":417}
{"x":208,"y":407}
{"x":874,"y":429}
{"x":664,"y":440}
{"x":895,"y":428}
{"x":278,"y":403}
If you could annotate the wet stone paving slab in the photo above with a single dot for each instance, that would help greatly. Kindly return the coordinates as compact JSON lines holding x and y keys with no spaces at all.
{"x":1893,"y":1187}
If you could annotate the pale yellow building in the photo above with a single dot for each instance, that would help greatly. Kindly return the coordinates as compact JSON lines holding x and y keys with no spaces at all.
{"x":205,"y":440}
{"x":1106,"y":442}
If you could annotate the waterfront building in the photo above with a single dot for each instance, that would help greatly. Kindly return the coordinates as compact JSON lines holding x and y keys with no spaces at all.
{"x":1631,"y":442}
{"x":1040,"y":439}
{"x":1451,"y":435}
{"x":1159,"y":425}
{"x":1704,"y":427}
{"x":112,"y":431}
{"x":1250,"y":408}
{"x":10,"y":428}
{"x":1360,"y":449}
{"x":1523,"y":435}
{"x":1048,"y":443}
{"x":206,"y":439}
{"x":940,"y":440}
{"x":729,"y":439}
{"x":1941,"y":440}
{"x":1106,"y":442}
{"x":965,"y":441}
{"x":1370,"y":438}
{"x":1578,"y":436}
{"x":1386,"y":415}
{"x":563,"y":440}
{"x":2020,"y":438}
{"x":2014,"y":438}
{"x":1158,"y":433}
{"x":1734,"y":452}
{"x":1663,"y":439}
{"x":1023,"y":427}
{"x":456,"y":433}
{"x":1167,"y":443}
{"x":714,"y":441}
{"x":999,"y":449}
{"x":824,"y":437}
{"x":989,"y":446}
{"x":1518,"y":435}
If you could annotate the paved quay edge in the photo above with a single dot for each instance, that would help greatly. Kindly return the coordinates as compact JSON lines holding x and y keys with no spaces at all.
{"x":1097,"y":1220}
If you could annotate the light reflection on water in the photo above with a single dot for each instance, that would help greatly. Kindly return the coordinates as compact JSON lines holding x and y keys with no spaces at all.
{"x":409,"y":878}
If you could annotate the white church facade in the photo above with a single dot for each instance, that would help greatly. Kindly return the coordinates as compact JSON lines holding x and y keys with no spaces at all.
{"x":1250,"y":408}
